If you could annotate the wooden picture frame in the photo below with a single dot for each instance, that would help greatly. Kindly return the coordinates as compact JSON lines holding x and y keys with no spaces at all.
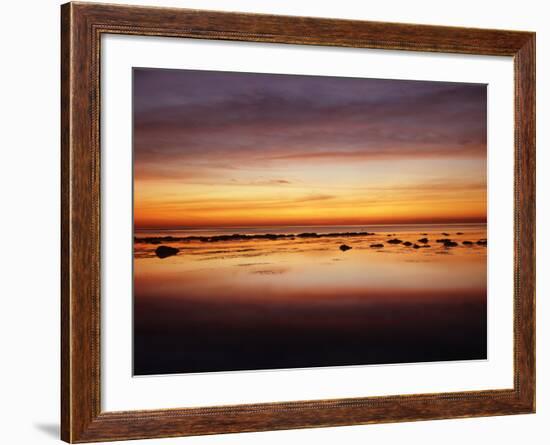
{"x":82,"y":26}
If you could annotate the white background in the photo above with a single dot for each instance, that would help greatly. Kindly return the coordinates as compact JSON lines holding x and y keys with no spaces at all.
{"x":121,"y":392}
{"x":30,"y":220}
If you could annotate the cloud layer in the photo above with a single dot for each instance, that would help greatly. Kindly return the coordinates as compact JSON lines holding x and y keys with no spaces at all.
{"x":219,"y":136}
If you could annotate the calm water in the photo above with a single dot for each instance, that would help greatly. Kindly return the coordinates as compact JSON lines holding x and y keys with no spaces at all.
{"x":265,"y":304}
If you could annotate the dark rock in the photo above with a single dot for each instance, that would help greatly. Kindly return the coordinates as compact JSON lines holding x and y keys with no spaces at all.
{"x":482,"y":242}
{"x":443,"y":240}
{"x":344,"y":247}
{"x":467,"y":243}
{"x":445,"y":234}
{"x":449,"y":243}
{"x":407,"y":243}
{"x":308,"y":235}
{"x":425,"y":246}
{"x":423,"y":234}
{"x":423,"y":240}
{"x":377,"y":246}
{"x":245,"y":237}
{"x":460,"y":233}
{"x":166,"y":251}
{"x":394,"y":241}
{"x":344,"y":234}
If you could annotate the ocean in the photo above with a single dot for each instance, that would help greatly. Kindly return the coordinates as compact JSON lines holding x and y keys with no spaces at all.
{"x":245,"y":302}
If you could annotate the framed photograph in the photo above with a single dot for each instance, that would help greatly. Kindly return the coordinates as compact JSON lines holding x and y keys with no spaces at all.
{"x":274,"y":222}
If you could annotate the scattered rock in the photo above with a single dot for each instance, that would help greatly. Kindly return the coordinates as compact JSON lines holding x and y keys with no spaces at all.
{"x":377,"y":246}
{"x":460,"y":233}
{"x":467,"y":243}
{"x":308,"y":235}
{"x":394,"y":241}
{"x":449,"y":243}
{"x":423,"y":234}
{"x":423,"y":240}
{"x":166,"y":251}
{"x":407,"y":243}
{"x":443,"y":240}
{"x":416,"y":246}
{"x":246,"y":237}
{"x":445,"y":234}
{"x":330,"y":235}
{"x":482,"y":242}
{"x":344,"y":247}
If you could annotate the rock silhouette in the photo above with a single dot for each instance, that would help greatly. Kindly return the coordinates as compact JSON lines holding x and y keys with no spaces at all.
{"x":244,"y":237}
{"x":449,"y":243}
{"x":166,"y":251}
{"x":394,"y":241}
{"x":308,"y":235}
{"x":445,"y":234}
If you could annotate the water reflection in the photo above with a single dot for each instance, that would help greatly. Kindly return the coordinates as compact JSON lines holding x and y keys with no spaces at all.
{"x":303,"y":302}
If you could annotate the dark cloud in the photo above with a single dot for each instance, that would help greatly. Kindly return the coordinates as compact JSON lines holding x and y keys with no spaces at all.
{"x":224,"y":120}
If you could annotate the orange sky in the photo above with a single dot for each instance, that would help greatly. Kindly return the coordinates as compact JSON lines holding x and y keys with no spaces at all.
{"x":233,"y":149}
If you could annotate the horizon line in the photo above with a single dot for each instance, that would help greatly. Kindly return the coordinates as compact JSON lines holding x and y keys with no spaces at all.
{"x":306,"y":225}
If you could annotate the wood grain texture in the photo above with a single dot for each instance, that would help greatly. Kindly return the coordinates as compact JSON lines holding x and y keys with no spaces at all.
{"x":65,"y":227}
{"x":82,"y":26}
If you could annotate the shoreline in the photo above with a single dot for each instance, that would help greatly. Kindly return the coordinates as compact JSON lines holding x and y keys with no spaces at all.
{"x":242,"y":237}
{"x":157,"y":240}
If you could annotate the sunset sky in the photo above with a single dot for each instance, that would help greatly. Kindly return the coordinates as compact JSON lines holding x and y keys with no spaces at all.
{"x":239,"y":149}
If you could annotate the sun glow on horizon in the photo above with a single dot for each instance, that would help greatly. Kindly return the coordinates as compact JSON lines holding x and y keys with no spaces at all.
{"x":234,"y":149}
